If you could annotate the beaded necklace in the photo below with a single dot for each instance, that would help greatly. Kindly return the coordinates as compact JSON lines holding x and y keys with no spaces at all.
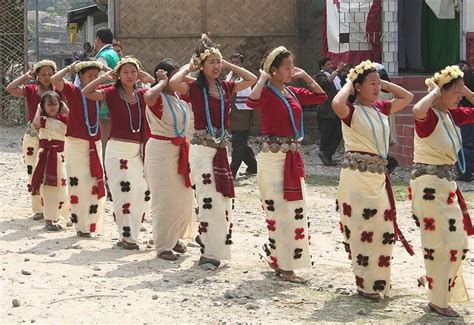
{"x":383,"y":154}
{"x":210,"y":129}
{"x":124,"y":98}
{"x":182,"y":109}
{"x":92,"y":130}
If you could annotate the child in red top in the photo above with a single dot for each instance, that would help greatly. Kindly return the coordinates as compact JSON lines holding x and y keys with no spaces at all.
{"x":50,"y":173}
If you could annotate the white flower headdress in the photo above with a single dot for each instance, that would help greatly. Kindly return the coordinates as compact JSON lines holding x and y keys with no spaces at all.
{"x":44,"y":63}
{"x":359,"y":69}
{"x":86,"y":64}
{"x":272,"y":56}
{"x":444,"y":76}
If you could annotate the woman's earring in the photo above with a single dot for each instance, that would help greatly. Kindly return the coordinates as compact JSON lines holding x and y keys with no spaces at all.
{"x":273,"y":73}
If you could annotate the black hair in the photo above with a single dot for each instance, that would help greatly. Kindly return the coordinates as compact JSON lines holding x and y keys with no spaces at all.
{"x":45,"y":66}
{"x":322,"y":62}
{"x":87,"y":69}
{"x":451,"y":83}
{"x":238,"y":55}
{"x":278,"y":59}
{"x":168,"y":64}
{"x":49,"y":95}
{"x":105,"y":35}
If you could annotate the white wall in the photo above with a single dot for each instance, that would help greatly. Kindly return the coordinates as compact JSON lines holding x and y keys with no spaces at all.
{"x":469,"y":15}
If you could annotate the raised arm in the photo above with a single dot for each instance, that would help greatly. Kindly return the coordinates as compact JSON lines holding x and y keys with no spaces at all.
{"x":299,"y":73}
{"x":421,"y":108}
{"x":262,"y":82}
{"x":468,"y":94}
{"x":58,"y":78}
{"x":16,"y":87}
{"x":248,"y":78}
{"x":145,"y":77}
{"x":402,"y":96}
{"x":178,"y":80}
{"x":339,"y":103}
{"x":90,"y":90}
{"x":154,"y":92}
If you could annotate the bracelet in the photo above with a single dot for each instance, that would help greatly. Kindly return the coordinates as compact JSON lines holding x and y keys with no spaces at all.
{"x":313,"y":84}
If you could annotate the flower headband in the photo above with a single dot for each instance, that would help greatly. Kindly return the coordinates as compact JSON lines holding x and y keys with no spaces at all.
{"x":203,"y":55}
{"x":272,"y":56}
{"x":359,"y":69}
{"x":126,"y":60}
{"x":87,"y":64}
{"x":45,"y":63}
{"x":444,"y":76}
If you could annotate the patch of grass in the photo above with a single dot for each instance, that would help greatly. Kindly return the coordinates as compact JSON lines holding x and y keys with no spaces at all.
{"x":399,"y":187}
{"x":322,"y":180}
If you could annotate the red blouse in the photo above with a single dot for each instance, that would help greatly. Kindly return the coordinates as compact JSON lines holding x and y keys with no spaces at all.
{"x":157,"y":108}
{"x":383,"y":106}
{"x":32,"y":99}
{"x":426,"y":126}
{"x":196,"y":98}
{"x":77,"y":123}
{"x":119,"y":117}
{"x":274,"y":113}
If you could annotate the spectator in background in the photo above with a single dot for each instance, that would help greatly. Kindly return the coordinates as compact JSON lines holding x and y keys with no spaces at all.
{"x":241,"y":121}
{"x":467,"y":130}
{"x":117,"y":46}
{"x":87,"y":52}
{"x":329,"y":124}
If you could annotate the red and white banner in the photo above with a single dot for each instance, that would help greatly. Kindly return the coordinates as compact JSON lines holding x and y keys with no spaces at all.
{"x":351,"y":31}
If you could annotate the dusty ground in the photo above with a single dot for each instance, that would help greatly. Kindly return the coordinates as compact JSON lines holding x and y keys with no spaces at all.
{"x":76,"y":280}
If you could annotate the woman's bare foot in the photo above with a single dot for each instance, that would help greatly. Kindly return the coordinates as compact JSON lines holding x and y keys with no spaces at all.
{"x":449,"y":312}
{"x":421,"y":281}
{"x":180,"y":247}
{"x":371,"y":296}
{"x":38,"y":216}
{"x":290,"y":276}
{"x":168,"y":255}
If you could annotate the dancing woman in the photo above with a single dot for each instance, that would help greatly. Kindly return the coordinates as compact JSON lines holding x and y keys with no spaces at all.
{"x":280,"y":166}
{"x":83,"y":147}
{"x":167,"y":164}
{"x":438,"y":206}
{"x":210,"y":170}
{"x":123,"y":158}
{"x":365,"y":199}
{"x":41,"y":74}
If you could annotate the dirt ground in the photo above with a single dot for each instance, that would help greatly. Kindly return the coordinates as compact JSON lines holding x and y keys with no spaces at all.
{"x":58,"y":278}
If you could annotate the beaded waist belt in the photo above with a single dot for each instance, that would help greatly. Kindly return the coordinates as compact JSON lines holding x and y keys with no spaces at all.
{"x":204,"y":138}
{"x":448,"y":172}
{"x":364,"y":162}
{"x":30,"y":130}
{"x":276,"y":144}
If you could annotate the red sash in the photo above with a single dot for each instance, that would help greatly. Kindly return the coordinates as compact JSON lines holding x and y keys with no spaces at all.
{"x":293,"y":171}
{"x":96,"y":168}
{"x":46,"y":170}
{"x":183,"y":160}
{"x":466,"y":217}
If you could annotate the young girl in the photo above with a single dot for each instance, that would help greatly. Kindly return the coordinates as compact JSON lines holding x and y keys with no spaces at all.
{"x":280,"y":166}
{"x":167,"y":164}
{"x":50,"y":173}
{"x":365,"y":198}
{"x":123,"y":158}
{"x":84,"y":149}
{"x":210,"y":170}
{"x":41,"y":73}
{"x":438,"y":206}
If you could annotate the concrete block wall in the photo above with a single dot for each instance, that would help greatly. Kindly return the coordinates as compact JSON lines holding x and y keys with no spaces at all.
{"x":389,"y":37}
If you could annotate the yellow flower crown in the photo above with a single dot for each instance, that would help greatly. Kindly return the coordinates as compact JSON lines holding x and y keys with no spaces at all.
{"x":272,"y":56}
{"x":44,"y":63}
{"x":444,"y":76}
{"x":359,"y":69}
{"x":203,"y":55}
{"x":126,"y":60}
{"x":87,"y":64}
